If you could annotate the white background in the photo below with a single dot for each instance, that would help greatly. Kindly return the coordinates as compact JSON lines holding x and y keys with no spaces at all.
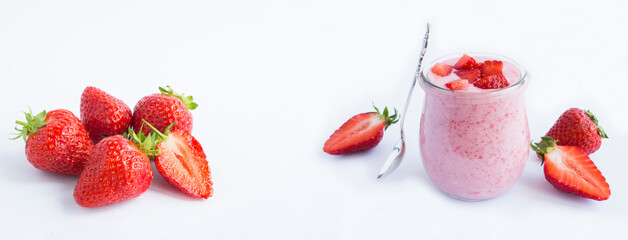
{"x":274,"y":79}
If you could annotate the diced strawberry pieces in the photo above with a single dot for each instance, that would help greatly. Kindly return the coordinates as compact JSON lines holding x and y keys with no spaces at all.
{"x":470,"y":74}
{"x":466,"y":62}
{"x":491,"y":67}
{"x":458,"y":84}
{"x":441,"y":69}
{"x":492,"y":82}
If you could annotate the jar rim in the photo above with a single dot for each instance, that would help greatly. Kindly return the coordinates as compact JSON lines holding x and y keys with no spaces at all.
{"x":522,"y":83}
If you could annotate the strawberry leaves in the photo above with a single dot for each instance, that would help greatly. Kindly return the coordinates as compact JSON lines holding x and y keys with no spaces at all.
{"x":32,"y":124}
{"x":188,"y":101}
{"x":392,"y":119}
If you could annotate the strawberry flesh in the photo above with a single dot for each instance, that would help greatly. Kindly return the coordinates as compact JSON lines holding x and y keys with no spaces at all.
{"x":491,"y":67}
{"x":457,"y":84}
{"x":570,"y":170}
{"x":441,"y":69}
{"x":471,"y":75}
{"x":361,"y":132}
{"x":183,"y":164}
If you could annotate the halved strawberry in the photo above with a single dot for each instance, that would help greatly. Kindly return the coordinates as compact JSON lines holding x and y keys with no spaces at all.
{"x":457,"y":84}
{"x":492,"y":82}
{"x":470,"y":74}
{"x":466,"y":62}
{"x":361,"y":132}
{"x":491,"y":67}
{"x":570,"y":170}
{"x":181,"y":161}
{"x":441,"y":69}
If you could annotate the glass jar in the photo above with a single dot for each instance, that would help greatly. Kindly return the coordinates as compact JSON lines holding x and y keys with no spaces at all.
{"x":474,"y":143}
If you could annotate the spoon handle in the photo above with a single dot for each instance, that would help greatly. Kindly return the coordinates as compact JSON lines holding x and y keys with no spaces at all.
{"x":394,"y":158}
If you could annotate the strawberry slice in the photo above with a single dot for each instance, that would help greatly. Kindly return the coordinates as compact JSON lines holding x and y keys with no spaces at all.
{"x":491,"y":67}
{"x":492,"y":82}
{"x":441,"y":69}
{"x":361,"y":132}
{"x":570,"y":170}
{"x":458,"y":84}
{"x":466,"y":62}
{"x":182,"y":162}
{"x":470,"y":74}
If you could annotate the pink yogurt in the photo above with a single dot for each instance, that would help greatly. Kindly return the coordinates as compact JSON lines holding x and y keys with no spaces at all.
{"x":474,"y":142}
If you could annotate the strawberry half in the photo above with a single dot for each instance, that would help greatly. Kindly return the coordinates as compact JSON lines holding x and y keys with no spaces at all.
{"x":116,"y":171}
{"x":441,"y":69}
{"x":103,"y":115}
{"x":361,"y":132}
{"x":182,"y":162}
{"x":466,"y":62}
{"x":576,"y":127}
{"x":458,"y":84}
{"x":492,"y":82}
{"x":56,"y":141}
{"x":570,"y":170}
{"x":491,"y":67}
{"x":470,"y":74}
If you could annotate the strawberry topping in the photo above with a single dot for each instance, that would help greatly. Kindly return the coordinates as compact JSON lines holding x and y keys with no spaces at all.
{"x":466,"y":62}
{"x":458,"y":84}
{"x":441,"y":69}
{"x":491,"y":67}
{"x":492,"y":82}
{"x":470,"y":74}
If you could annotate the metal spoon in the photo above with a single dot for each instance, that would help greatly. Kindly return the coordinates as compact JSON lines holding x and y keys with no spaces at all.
{"x":393,"y":160}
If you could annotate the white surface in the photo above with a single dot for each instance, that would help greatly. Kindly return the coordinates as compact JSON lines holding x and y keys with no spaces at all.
{"x":274,"y":79}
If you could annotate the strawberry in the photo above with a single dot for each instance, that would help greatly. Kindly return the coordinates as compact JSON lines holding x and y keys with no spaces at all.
{"x":117,"y":170}
{"x":441,"y":69}
{"x":576,"y":127}
{"x":55,"y":141}
{"x":457,"y":84}
{"x":361,"y":132}
{"x":570,"y":170}
{"x":163,"y":109}
{"x":491,"y":67}
{"x":466,"y":62}
{"x":103,"y":115}
{"x":470,"y":74}
{"x":492,"y":82}
{"x":182,"y":162}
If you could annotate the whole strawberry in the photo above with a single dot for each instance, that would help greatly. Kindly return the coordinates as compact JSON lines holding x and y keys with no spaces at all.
{"x":570,"y":170}
{"x":55,"y":141}
{"x":117,"y":170}
{"x":163,"y":109}
{"x":103,"y":115}
{"x":361,"y":132}
{"x":180,"y":159}
{"x":578,"y":128}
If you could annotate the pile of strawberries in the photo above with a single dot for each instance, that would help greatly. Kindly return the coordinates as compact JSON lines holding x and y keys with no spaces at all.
{"x":485,"y":75}
{"x":110,"y":147}
{"x":565,"y":151}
